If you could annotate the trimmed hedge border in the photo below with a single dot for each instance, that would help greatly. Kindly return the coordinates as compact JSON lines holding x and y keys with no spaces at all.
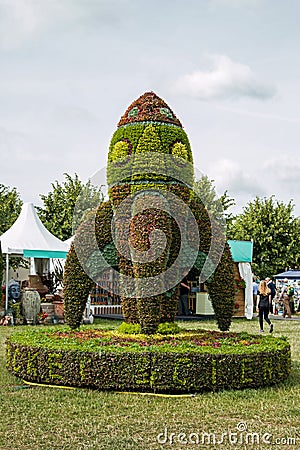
{"x":146,"y":370}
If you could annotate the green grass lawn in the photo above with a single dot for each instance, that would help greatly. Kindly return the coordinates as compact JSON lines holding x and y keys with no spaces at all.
{"x":49,"y":418}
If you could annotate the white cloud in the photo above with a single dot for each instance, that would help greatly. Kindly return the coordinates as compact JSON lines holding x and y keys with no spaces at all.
{"x":285,"y":173}
{"x":20,"y":20}
{"x":259,"y":115}
{"x":226,"y":79}
{"x":237,"y":3}
{"x":284,"y":169}
{"x":232,"y":176}
{"x":25,"y":20}
{"x":277,"y":176}
{"x":18,"y":146}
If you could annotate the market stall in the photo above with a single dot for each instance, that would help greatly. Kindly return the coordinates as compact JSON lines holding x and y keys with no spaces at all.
{"x":28,"y":238}
{"x":242,"y":252}
{"x":199,"y":301}
{"x":290,"y":278}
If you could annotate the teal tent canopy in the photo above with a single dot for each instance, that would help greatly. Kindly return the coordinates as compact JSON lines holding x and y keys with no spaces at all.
{"x":241,"y":251}
{"x":44,"y":254}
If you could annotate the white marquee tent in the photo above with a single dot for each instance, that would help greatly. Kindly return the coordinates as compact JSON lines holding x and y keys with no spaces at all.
{"x":29,"y":238}
{"x":69,"y":241}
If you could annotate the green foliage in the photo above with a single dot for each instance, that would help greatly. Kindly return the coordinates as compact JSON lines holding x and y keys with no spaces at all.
{"x":221,"y":290}
{"x":179,"y":150}
{"x":57,"y":214}
{"x":169,"y":328}
{"x":158,"y":139}
{"x":148,"y":139}
{"x":16,"y":309}
{"x":188,"y":362}
{"x":275,"y":233}
{"x":120,"y":151}
{"x":77,"y":284}
{"x":16,"y":262}
{"x":129,"y":328}
{"x":220,"y":285}
{"x":217,"y":206}
{"x":2,"y":265}
{"x":10,"y":207}
{"x":150,"y":154}
{"x":40,"y":404}
{"x":58,"y":272}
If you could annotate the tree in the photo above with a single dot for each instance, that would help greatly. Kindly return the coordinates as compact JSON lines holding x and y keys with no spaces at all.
{"x":10,"y":207}
{"x":218,"y":207}
{"x":1,"y":266}
{"x":275,"y":233}
{"x":58,"y":213}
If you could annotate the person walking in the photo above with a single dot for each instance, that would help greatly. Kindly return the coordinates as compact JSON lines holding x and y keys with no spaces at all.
{"x":254,"y":290}
{"x":263,"y":305}
{"x":286,"y":302}
{"x":272,"y":288}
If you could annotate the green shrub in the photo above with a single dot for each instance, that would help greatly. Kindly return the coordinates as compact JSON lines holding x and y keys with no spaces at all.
{"x":169,"y":328}
{"x":187,"y":362}
{"x":16,"y":310}
{"x":129,"y":328}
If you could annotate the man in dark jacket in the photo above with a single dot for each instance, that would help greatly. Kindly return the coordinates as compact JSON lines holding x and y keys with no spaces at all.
{"x":272,"y":288}
{"x":183,"y":309}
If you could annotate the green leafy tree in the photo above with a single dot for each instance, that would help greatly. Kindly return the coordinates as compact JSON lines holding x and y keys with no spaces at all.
{"x":58,"y":215}
{"x":217,"y":206}
{"x":275,"y":233}
{"x":1,"y":265}
{"x":10,"y":207}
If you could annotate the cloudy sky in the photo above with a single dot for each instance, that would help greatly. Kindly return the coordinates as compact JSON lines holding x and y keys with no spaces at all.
{"x":229,"y":69}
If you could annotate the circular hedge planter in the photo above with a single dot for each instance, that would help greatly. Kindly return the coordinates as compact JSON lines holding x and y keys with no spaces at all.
{"x":187,"y":362}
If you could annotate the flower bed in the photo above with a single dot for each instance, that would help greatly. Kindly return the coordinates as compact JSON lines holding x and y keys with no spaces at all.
{"x":185,"y":362}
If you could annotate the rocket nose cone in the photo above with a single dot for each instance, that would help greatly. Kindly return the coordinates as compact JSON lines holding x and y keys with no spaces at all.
{"x":149,"y":108}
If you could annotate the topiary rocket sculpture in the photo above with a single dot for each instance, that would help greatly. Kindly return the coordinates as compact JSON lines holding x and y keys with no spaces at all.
{"x":153,"y":229}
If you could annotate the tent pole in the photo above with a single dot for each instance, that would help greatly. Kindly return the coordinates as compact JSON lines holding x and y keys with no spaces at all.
{"x":32,"y":266}
{"x":6,"y":283}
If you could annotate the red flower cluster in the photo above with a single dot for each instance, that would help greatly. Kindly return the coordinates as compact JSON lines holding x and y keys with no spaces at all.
{"x":42,"y":316}
{"x":149,"y":108}
{"x":203,"y":339}
{"x":239,"y":284}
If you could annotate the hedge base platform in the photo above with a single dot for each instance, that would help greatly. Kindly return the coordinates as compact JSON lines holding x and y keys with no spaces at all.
{"x":188,"y":362}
